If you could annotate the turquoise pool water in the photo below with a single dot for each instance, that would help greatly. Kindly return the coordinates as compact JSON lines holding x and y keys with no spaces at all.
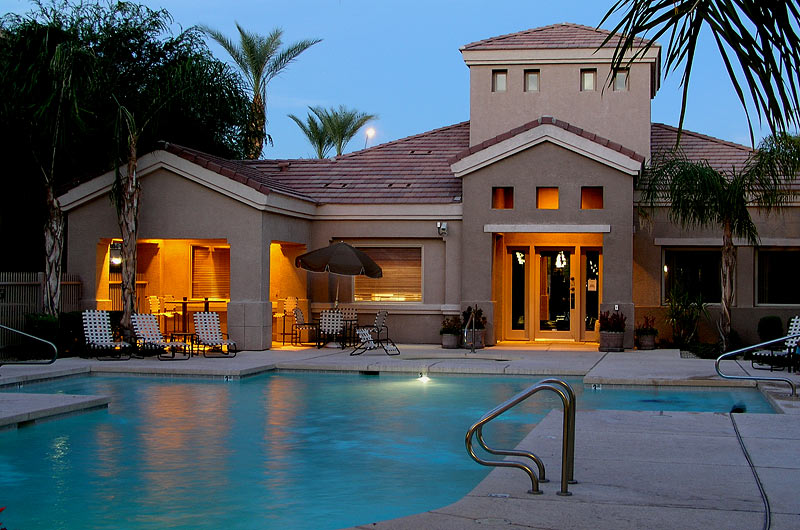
{"x":284,"y":450}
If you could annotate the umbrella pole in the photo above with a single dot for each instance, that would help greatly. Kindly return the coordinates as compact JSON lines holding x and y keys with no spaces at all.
{"x":336,"y":305}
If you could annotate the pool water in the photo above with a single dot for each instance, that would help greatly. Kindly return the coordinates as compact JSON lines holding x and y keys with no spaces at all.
{"x":282,"y":450}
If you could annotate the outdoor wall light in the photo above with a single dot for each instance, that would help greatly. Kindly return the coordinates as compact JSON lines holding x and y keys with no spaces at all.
{"x":441,"y":227}
{"x":115,"y":254}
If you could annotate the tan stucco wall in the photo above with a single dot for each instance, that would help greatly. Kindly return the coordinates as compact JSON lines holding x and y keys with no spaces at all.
{"x":620,"y":116}
{"x":173,"y":207}
{"x":547,"y":165}
{"x":775,"y":231}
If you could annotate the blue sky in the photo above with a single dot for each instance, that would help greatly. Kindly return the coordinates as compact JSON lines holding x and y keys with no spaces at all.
{"x":400,"y":60}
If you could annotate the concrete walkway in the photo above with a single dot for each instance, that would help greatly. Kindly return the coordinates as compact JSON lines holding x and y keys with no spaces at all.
{"x":635,"y":469}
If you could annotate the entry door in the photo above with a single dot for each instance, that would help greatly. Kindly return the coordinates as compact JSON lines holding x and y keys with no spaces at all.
{"x":591,"y":266}
{"x":555,"y":307}
{"x":517,"y":322}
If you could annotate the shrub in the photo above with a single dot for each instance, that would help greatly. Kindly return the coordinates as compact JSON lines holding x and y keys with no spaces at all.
{"x":451,"y":326}
{"x":647,"y":327}
{"x":612,"y":321}
{"x":480,"y":320}
{"x":683,"y":314}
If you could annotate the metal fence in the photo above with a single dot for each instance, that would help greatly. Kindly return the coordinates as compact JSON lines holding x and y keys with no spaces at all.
{"x":21,"y":294}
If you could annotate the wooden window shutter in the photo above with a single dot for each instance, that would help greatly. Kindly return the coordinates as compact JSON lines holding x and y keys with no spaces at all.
{"x":402,"y":276}
{"x":211,"y":272}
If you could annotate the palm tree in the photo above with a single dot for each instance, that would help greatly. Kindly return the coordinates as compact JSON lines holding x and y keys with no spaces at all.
{"x":699,"y":196}
{"x":759,"y":37}
{"x":315,"y":132}
{"x":260,"y":59}
{"x":342,"y":124}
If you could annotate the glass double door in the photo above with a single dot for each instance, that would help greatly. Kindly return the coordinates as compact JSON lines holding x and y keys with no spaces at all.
{"x":554,"y":296}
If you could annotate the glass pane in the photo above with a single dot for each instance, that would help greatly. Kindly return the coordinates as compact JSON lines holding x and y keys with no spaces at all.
{"x":592,"y":293}
{"x":518,"y":260}
{"x":776,"y":283}
{"x":695,"y":271}
{"x":499,"y":81}
{"x":621,"y":80}
{"x":554,"y":291}
{"x":531,"y":81}
{"x":587,"y":79}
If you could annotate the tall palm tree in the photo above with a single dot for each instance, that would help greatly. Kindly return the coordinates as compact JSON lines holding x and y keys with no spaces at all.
{"x":342,"y":124}
{"x":759,"y":37}
{"x":260,"y":59}
{"x":315,"y":132}
{"x":699,"y":196}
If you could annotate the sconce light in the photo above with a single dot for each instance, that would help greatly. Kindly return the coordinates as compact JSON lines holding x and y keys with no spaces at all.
{"x":115,"y":254}
{"x":441,"y":227}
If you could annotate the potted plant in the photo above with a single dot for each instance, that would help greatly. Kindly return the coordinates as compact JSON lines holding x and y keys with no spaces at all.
{"x":451,"y":332}
{"x":646,"y":333}
{"x":480,"y":327}
{"x":612,"y":331}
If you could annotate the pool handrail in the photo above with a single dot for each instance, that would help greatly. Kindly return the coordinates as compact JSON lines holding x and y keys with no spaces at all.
{"x":49,"y":361}
{"x":740,"y":351}
{"x":564,"y":391}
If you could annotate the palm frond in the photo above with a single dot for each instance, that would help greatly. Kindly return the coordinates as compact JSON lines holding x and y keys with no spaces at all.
{"x":315,"y":131}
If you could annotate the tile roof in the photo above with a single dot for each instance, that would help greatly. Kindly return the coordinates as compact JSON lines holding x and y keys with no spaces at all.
{"x":564,"y":35}
{"x":411,"y":170}
{"x":549,"y":120}
{"x":721,"y":155}
{"x":416,"y":170}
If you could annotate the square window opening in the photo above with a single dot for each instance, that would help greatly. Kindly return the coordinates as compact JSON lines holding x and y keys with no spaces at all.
{"x":547,"y":198}
{"x":591,"y":198}
{"x":499,"y":78}
{"x":588,"y":79}
{"x":503,"y":198}
{"x":776,"y":270}
{"x":694,"y":273}
{"x":531,"y":80}
{"x":402,"y":276}
{"x":621,"y":80}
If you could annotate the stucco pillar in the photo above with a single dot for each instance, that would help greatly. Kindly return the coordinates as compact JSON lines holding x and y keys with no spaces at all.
{"x":250,"y":310}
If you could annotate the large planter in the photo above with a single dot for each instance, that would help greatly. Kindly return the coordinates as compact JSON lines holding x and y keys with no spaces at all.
{"x":480,"y":335}
{"x":611,"y":340}
{"x":647,"y":342}
{"x":449,"y":341}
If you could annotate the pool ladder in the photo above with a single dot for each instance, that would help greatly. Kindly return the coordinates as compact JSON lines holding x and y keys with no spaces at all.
{"x":564,"y":391}
{"x":731,"y":354}
{"x":50,"y":344}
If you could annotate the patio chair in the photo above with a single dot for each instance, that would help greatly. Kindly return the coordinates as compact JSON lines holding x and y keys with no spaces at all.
{"x":99,"y":337}
{"x":301,"y":325}
{"x":779,"y":359}
{"x":366,"y":343}
{"x":159,"y":310}
{"x":289,"y":305}
{"x":209,"y":336}
{"x":331,"y":328}
{"x":379,"y":328}
{"x":350,"y":317}
{"x":148,"y":337}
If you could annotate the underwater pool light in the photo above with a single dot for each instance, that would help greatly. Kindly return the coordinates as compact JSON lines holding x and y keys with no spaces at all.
{"x":423,"y":377}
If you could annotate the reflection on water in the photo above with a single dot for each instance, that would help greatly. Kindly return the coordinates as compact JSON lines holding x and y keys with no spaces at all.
{"x":276,"y":451}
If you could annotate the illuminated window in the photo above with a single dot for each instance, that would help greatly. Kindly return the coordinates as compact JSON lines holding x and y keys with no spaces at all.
{"x":499,"y":78}
{"x":402,"y":276}
{"x":621,"y":80}
{"x":695,"y":272}
{"x":211,"y":272}
{"x":592,"y":198}
{"x":776,"y":273}
{"x":588,"y":79}
{"x":503,"y":198}
{"x":531,"y":80}
{"x":547,"y":198}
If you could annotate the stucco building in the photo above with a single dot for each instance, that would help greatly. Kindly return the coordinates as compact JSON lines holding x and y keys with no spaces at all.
{"x":528,"y":210}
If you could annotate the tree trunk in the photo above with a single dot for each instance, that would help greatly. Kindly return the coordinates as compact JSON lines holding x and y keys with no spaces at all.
{"x":728,"y":272}
{"x":256,"y":128}
{"x":129,"y":226}
{"x":53,"y":244}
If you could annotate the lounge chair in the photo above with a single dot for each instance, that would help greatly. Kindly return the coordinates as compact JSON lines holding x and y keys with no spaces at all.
{"x":783,"y":358}
{"x":301,"y":325}
{"x":148,"y":337}
{"x":209,"y":336}
{"x":100,"y":338}
{"x":378,"y":328}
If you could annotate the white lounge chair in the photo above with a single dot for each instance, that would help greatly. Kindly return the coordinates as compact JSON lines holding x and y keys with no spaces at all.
{"x":209,"y":336}
{"x":99,"y":337}
{"x":148,"y":337}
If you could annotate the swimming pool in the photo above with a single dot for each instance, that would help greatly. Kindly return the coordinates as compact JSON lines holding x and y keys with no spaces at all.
{"x":282,"y":450}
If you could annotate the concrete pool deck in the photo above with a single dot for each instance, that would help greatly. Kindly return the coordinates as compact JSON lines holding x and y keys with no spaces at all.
{"x":635,"y":469}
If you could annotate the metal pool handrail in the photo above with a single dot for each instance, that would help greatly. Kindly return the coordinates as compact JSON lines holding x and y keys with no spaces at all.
{"x":756,"y":377}
{"x":51,"y":361}
{"x":564,"y":391}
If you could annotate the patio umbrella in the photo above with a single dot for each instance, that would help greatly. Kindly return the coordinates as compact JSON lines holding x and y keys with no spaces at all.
{"x":339,"y":258}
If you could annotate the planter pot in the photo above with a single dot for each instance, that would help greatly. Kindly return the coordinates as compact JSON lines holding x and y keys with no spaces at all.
{"x":647,"y":342}
{"x":480,"y":335}
{"x":611,"y":340}
{"x":450,"y":342}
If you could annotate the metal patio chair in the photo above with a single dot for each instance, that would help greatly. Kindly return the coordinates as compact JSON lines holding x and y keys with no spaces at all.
{"x":331,"y":328}
{"x":99,"y":337}
{"x":378,"y":328}
{"x":210,"y":337}
{"x":783,"y":358}
{"x":301,"y":325}
{"x":148,"y":337}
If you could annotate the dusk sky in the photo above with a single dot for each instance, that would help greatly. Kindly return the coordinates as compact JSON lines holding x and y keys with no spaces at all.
{"x":401,"y":61}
